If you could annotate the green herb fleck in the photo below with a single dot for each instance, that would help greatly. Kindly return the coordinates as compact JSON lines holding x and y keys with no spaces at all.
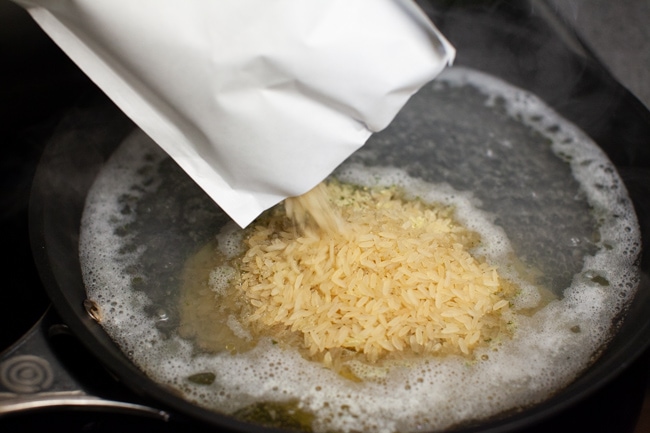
{"x":202,"y":378}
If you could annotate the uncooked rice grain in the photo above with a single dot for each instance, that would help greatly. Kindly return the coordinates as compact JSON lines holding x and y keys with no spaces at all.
{"x":400,"y":279}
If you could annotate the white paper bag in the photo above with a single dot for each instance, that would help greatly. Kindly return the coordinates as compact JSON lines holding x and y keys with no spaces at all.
{"x":257,"y":100}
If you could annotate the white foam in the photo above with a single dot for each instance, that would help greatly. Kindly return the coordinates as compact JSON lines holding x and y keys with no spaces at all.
{"x":220,"y":278}
{"x":100,"y":252}
{"x":230,"y":240}
{"x":548,"y":351}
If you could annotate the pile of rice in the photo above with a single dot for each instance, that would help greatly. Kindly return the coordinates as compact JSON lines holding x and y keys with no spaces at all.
{"x":400,"y":279}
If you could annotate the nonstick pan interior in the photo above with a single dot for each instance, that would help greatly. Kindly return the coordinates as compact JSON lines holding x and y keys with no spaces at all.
{"x":587,"y":95}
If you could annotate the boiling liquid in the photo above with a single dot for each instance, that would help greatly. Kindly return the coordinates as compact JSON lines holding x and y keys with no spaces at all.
{"x":528,"y":181}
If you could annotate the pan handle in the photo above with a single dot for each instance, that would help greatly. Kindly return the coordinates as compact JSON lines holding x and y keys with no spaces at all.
{"x":32,"y":377}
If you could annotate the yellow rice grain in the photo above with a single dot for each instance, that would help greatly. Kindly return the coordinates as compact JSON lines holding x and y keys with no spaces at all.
{"x":398,"y":278}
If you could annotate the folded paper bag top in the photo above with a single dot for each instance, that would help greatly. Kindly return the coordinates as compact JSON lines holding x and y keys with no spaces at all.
{"x":257,"y":100}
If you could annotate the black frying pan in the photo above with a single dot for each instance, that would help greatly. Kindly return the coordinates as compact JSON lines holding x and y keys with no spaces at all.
{"x":520,"y":43}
